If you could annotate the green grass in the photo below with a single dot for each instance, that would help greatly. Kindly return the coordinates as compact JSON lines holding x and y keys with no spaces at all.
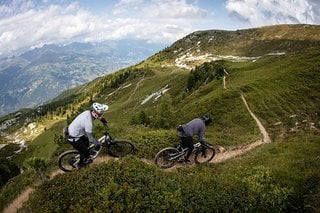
{"x":291,"y":164}
{"x":284,"y":89}
{"x":43,"y":146}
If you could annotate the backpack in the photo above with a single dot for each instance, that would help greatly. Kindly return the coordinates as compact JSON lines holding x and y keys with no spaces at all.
{"x":65,"y":132}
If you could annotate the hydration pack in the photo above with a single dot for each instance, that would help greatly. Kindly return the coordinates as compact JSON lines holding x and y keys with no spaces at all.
{"x":65,"y":132}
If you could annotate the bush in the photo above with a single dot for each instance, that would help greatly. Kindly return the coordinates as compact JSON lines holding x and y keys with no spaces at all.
{"x":163,"y":116}
{"x":8,"y":170}
{"x":38,"y":166}
{"x":127,"y":185}
{"x":59,"y":140}
{"x":150,"y":142}
{"x":205,"y":73}
{"x":9,"y":150}
{"x":263,"y":192}
{"x":141,"y":118}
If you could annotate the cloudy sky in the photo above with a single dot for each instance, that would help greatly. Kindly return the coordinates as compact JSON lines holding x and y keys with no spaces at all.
{"x":33,"y":23}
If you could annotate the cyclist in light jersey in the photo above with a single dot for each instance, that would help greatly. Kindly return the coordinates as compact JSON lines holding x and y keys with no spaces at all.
{"x":80,"y":130}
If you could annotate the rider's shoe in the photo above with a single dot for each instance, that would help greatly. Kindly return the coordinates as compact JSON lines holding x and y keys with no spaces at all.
{"x":187,"y":161}
{"x":181,"y":161}
{"x":87,"y":160}
{"x":184,"y":161}
{"x":80,"y":165}
{"x":93,"y":152}
{"x":84,"y":163}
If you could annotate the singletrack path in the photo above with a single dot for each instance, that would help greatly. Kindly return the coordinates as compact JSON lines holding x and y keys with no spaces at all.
{"x":18,"y":202}
{"x":220,"y":157}
{"x":135,"y":89}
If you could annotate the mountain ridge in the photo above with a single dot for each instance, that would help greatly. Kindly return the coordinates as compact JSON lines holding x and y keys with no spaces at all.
{"x":246,"y":42}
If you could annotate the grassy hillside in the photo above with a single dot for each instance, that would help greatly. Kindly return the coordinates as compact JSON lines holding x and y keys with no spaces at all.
{"x":275,"y":177}
{"x":281,"y":89}
{"x":249,"y":42}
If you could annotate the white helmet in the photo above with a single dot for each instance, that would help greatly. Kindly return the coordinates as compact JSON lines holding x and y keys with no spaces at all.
{"x":98,"y":109}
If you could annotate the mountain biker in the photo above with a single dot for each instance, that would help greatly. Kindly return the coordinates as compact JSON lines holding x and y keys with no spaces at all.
{"x":80,"y":131}
{"x":186,"y":132}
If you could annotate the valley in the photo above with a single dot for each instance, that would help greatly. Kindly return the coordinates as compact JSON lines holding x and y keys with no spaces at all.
{"x":39,"y":75}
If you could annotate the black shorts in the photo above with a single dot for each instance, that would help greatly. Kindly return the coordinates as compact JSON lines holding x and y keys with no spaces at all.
{"x":187,"y":142}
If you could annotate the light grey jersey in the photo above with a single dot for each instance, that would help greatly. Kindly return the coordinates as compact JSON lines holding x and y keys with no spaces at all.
{"x":82,"y":125}
{"x":195,"y":127}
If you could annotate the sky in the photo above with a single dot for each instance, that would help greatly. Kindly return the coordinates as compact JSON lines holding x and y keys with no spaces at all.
{"x":26,"y":24}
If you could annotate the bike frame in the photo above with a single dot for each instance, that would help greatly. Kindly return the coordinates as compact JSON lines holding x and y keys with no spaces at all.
{"x":106,"y":138}
{"x":113,"y":147}
{"x":183,"y":151}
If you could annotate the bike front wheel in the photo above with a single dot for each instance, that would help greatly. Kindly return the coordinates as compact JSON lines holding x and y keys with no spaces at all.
{"x":69,"y":160}
{"x":166,"y":157}
{"x":120,"y":147}
{"x":204,"y":155}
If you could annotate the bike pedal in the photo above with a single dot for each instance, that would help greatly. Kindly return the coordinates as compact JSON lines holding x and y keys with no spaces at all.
{"x":187,"y":162}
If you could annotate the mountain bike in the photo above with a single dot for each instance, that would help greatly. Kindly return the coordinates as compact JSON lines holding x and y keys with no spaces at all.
{"x":169,"y":156}
{"x":69,"y":160}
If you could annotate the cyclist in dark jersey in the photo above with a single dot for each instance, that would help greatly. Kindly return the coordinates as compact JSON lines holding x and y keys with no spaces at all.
{"x":197,"y":127}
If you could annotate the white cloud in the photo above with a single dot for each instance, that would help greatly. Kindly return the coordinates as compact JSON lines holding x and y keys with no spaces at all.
{"x":167,"y":9}
{"x":40,"y":26}
{"x":173,"y":9}
{"x":269,"y":12}
{"x":28,"y":25}
{"x":124,"y":6}
{"x":15,"y":7}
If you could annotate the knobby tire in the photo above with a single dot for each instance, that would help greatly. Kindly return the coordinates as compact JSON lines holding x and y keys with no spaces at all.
{"x":204,"y":156}
{"x":164,"y":159}
{"x":65,"y":159}
{"x":120,"y":147}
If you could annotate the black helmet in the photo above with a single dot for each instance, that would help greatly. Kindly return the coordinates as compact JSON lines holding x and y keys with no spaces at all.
{"x":206,"y":119}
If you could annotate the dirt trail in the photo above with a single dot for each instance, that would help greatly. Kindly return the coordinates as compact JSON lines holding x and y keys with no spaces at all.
{"x":135,"y":89}
{"x":220,"y":157}
{"x":225,"y":155}
{"x":266,"y":137}
{"x":18,"y":202}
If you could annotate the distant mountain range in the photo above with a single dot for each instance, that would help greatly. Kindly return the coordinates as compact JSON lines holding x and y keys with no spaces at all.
{"x":39,"y":75}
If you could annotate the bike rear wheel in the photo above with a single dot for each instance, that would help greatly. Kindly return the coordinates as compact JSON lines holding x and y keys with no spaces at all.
{"x":204,"y":155}
{"x":69,"y":160}
{"x":167,"y":157}
{"x":120,"y":147}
